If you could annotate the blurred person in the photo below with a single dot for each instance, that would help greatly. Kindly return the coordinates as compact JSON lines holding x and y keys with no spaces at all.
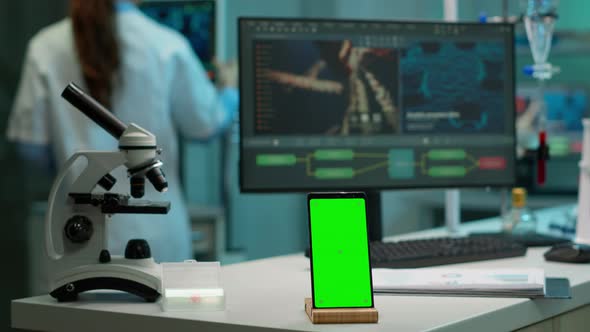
{"x":144,"y":73}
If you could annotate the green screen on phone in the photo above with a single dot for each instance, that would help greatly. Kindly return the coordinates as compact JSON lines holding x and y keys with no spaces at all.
{"x":341,"y":271}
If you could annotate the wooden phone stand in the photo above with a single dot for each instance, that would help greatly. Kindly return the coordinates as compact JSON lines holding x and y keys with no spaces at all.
{"x":340,"y":315}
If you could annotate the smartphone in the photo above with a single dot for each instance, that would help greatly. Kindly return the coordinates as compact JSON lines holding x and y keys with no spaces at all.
{"x":339,"y":250}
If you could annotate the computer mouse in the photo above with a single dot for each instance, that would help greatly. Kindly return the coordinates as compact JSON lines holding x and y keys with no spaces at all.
{"x":569,"y":253}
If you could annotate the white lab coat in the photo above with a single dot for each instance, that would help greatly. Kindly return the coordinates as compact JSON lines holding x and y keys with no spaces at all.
{"x":164,"y":89}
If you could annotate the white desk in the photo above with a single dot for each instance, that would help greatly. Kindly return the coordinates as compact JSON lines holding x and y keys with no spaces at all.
{"x":267,"y":295}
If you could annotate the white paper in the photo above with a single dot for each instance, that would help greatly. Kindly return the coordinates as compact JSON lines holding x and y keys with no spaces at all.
{"x":442,"y":280}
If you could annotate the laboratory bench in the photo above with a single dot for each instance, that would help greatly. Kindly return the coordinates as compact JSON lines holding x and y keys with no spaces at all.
{"x":268,"y":295}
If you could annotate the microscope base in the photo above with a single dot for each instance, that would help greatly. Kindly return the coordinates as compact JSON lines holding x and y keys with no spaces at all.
{"x":70,"y":291}
{"x":141,"y":277}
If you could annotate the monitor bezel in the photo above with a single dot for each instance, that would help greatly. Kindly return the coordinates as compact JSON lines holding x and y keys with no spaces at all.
{"x":213,"y":43}
{"x":241,"y":83}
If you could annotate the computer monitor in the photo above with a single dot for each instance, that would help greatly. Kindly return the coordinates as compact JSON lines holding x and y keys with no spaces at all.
{"x":194,"y":19}
{"x":337,"y":105}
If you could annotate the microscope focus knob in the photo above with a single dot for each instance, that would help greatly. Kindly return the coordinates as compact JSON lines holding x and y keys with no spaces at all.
{"x":79,"y":229}
{"x":137,"y":249}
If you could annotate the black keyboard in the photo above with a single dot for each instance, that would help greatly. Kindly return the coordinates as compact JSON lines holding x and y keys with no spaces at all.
{"x":529,"y":240}
{"x":441,"y":251}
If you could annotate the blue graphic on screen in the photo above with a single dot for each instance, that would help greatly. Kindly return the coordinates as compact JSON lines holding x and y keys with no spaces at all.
{"x":193,"y":20}
{"x":464,"y":80}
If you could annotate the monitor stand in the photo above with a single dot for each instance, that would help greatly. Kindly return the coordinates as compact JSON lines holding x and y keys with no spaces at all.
{"x":453,"y":211}
{"x":374,"y":214}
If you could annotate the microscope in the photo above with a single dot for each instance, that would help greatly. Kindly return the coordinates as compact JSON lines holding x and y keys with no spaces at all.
{"x":79,"y":212}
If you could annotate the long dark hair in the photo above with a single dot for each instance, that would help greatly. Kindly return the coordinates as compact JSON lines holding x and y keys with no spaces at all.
{"x":95,"y":37}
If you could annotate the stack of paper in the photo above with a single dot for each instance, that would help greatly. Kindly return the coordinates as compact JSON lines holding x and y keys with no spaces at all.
{"x":528,"y":282}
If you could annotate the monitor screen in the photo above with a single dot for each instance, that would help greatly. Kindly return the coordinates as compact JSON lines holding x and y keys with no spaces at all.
{"x":193,"y":19}
{"x":341,"y":105}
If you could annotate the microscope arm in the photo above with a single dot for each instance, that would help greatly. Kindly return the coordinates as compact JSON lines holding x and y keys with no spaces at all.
{"x":102,"y":163}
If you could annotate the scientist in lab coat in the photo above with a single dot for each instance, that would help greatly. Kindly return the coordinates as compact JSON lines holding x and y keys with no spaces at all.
{"x":144,"y":73}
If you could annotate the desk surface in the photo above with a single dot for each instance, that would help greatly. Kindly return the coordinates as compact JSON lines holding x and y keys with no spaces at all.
{"x":268,"y":295}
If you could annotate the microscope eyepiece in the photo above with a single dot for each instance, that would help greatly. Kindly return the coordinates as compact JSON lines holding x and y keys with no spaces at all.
{"x":94,"y":110}
{"x":158,"y":179}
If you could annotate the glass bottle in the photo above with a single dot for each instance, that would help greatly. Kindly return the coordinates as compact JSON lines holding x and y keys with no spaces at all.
{"x":519,"y":219}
